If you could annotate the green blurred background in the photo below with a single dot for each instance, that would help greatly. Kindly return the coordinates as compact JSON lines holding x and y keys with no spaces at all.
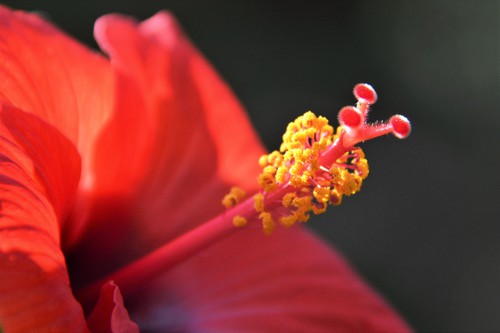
{"x":425,"y":229}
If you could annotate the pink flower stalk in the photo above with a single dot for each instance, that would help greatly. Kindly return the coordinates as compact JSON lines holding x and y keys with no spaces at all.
{"x":112,"y":173}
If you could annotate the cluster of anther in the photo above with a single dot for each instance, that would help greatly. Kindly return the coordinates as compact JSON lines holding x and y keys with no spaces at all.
{"x":301,"y":171}
{"x":316,"y":166}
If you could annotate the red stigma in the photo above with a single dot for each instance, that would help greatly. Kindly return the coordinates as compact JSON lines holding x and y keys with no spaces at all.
{"x":353,"y":119}
{"x":364,"y":93}
{"x":401,"y":126}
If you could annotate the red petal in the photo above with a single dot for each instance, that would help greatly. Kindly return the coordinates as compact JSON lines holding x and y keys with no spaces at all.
{"x":286,"y":282}
{"x":39,"y":171}
{"x":178,"y":137}
{"x":174,"y":111}
{"x":110,"y":315}
{"x":46,"y":73}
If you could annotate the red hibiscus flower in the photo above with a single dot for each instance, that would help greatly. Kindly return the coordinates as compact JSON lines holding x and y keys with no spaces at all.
{"x":112,"y":173}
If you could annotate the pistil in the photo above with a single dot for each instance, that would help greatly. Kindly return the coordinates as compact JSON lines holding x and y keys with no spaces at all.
{"x":315,"y":167}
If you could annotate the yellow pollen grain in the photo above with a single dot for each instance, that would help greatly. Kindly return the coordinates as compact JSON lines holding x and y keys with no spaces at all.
{"x":234,"y":197}
{"x":319,"y":208}
{"x":335,"y":198}
{"x":263,"y":160}
{"x":350,"y":184}
{"x":268,"y":223}
{"x":302,"y":216}
{"x":239,"y":221}
{"x":297,"y":169}
{"x":288,"y":199}
{"x":288,"y":221}
{"x":267,"y":181}
{"x":275,"y":158}
{"x":281,"y":174}
{"x":270,"y":170}
{"x":363,"y":168}
{"x":258,"y":202}
{"x":322,"y":194}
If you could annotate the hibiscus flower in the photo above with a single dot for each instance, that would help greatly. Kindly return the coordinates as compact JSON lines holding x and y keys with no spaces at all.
{"x":111,"y":180}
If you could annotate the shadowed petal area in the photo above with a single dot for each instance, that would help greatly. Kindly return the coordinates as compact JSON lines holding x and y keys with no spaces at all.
{"x":39,"y":172}
{"x":109,"y":314}
{"x":178,"y":136}
{"x":287,"y":282}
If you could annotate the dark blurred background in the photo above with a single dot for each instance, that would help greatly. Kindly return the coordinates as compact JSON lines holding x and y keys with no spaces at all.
{"x":425,"y":228}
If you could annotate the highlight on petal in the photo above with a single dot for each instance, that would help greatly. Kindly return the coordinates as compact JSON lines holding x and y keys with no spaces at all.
{"x":174,"y":142}
{"x":46,"y":73}
{"x":292,"y":282}
{"x":109,"y":314}
{"x":183,"y":101}
{"x":39,"y":172}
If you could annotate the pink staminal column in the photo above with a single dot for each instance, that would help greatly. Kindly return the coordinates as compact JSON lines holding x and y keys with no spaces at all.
{"x":322,"y":185}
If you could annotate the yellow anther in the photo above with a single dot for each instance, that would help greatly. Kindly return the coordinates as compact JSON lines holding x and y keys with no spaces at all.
{"x":336,"y":173}
{"x":300,"y":163}
{"x":302,"y":216}
{"x":322,"y":194}
{"x":363,"y":168}
{"x":296,"y":181}
{"x":288,"y":221}
{"x":269,"y":170}
{"x":239,"y":221}
{"x":267,"y":181}
{"x":349,"y":183}
{"x":258,"y":202}
{"x":283,"y":146}
{"x":263,"y":160}
{"x":304,"y":202}
{"x":315,"y":166}
{"x":326,"y":129}
{"x":288,"y":199}
{"x":319,"y":209}
{"x":304,"y":178}
{"x":335,"y":198}
{"x":307,"y":120}
{"x":234,"y":197}
{"x":297,"y":169}
{"x":268,"y":223}
{"x":275,"y":158}
{"x":281,"y":174}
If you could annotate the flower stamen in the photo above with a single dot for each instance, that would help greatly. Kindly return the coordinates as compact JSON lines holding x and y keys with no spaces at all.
{"x":316,"y":166}
{"x":239,"y":221}
{"x":234,"y":197}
